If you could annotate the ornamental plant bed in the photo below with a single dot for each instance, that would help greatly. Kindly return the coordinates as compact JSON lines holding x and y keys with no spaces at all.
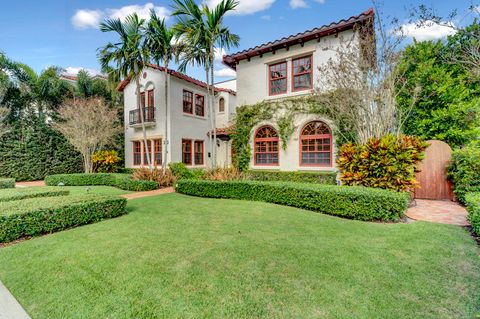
{"x":37,"y":216}
{"x":362,"y":203}
{"x":14,"y":194}
{"x":122,"y":181}
{"x":329,"y":178}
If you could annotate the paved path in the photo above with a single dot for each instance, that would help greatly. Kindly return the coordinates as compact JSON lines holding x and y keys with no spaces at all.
{"x":30,"y":184}
{"x":9,"y":306}
{"x":160,"y":191}
{"x":439,"y":211}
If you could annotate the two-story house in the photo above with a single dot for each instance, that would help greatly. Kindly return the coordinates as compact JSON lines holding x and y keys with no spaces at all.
{"x":279,"y":69}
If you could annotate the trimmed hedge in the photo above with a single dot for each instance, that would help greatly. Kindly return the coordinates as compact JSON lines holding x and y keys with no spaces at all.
{"x":33,"y":217}
{"x":7,"y":183}
{"x":368,"y":204}
{"x":122,"y":181}
{"x":473,"y":206}
{"x":7,"y":195}
{"x":329,"y":178}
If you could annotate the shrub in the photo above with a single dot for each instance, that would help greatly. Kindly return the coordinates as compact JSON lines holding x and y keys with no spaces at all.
{"x":300,"y":177}
{"x":389,"y":162}
{"x":7,"y":183}
{"x":105,"y":161}
{"x":473,"y":205}
{"x":180,"y":171}
{"x":122,"y":181}
{"x":464,"y":170}
{"x":351,"y":202}
{"x":33,"y":217}
{"x":222,"y":174}
{"x":162,"y":176}
{"x":24,"y":193}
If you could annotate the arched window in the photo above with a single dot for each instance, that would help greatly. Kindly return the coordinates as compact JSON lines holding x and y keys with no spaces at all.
{"x":266,"y":146}
{"x":316,"y":144}
{"x":221,"y":105}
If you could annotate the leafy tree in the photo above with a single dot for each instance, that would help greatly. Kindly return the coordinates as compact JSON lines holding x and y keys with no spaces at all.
{"x":447,"y":106}
{"x":202,"y":32}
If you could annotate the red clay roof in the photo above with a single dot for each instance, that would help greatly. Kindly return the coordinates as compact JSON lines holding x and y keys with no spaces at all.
{"x":231,"y":60}
{"x":121,"y":86}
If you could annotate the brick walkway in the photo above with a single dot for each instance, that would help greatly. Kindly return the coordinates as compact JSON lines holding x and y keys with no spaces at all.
{"x":439,"y":211}
{"x":135,"y":195}
{"x":30,"y":184}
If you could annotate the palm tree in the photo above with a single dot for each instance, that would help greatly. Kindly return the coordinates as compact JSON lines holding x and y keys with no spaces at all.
{"x":129,"y":55}
{"x":203,"y":31}
{"x":159,"y":41}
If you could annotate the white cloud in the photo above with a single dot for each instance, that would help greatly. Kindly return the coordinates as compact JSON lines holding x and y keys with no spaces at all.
{"x":245,"y":6}
{"x":142,"y":11}
{"x":427,"y":31}
{"x":295,"y":4}
{"x":83,"y":19}
{"x":219,"y":53}
{"x":225,"y":73}
{"x":72,"y":70}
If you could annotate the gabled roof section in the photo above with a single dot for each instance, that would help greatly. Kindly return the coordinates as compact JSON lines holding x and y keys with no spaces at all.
{"x":121,"y":86}
{"x":231,"y":60}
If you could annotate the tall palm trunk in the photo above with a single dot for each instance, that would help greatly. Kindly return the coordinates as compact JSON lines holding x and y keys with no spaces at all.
{"x":167,"y":78}
{"x":214,"y":109}
{"x":144,"y":131}
{"x":210,"y":114}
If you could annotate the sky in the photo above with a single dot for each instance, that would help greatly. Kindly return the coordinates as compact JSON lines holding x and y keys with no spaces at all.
{"x":65,"y":32}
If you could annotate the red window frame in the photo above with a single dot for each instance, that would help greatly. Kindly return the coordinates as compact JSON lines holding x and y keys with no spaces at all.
{"x":150,"y":98}
{"x":187,"y":102}
{"x":269,"y":143}
{"x":157,"y":151}
{"x":198,"y":152}
{"x":283,"y":67}
{"x":142,"y":100}
{"x":304,"y":58}
{"x":187,"y":151}
{"x":199,"y":105}
{"x":137,"y":153}
{"x":144,"y":152}
{"x":221,"y":105}
{"x":318,"y":144}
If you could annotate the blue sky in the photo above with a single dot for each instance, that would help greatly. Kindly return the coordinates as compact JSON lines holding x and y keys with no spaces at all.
{"x":65,"y":32}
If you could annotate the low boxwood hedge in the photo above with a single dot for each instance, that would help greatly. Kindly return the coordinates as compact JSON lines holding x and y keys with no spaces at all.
{"x":37,"y":216}
{"x":122,"y":181}
{"x":23,"y":193}
{"x":369,"y":204}
{"x":329,"y":178}
{"x":7,"y":183}
{"x":473,"y":206}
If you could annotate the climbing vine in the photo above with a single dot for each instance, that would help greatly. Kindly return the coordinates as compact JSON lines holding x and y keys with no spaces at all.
{"x":281,"y":113}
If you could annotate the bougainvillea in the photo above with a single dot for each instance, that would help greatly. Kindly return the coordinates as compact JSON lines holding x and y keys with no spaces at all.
{"x":390,"y":162}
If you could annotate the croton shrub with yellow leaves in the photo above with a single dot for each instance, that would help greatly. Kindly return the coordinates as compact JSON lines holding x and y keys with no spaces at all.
{"x":105,"y":161}
{"x":389,"y":162}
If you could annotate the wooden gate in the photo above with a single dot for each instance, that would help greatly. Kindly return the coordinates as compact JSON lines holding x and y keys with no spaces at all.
{"x":433,"y":175}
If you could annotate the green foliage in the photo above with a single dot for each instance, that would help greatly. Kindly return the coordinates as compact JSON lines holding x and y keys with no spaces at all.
{"x":33,"y":217}
{"x":445,"y":97}
{"x":181,"y":171}
{"x":14,"y":194}
{"x":7,"y":183}
{"x":464,"y":170}
{"x":472,"y":201}
{"x":105,"y":161}
{"x":282,"y":113}
{"x":360,"y":203}
{"x":389,"y":163}
{"x":295,"y":176}
{"x":122,"y":181}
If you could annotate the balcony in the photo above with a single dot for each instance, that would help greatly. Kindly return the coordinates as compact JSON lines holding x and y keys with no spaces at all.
{"x":148,"y":116}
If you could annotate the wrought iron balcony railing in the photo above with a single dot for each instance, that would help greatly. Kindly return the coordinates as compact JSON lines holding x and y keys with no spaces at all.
{"x":148,"y":116}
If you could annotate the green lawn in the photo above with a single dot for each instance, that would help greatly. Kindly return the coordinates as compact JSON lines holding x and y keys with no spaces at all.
{"x":176,"y":256}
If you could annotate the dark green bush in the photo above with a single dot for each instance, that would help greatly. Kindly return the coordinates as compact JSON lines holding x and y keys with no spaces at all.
{"x":7,"y":183}
{"x":360,"y":203}
{"x":464,"y":170}
{"x":33,"y":217}
{"x":329,"y":178}
{"x":473,"y":205}
{"x":7,"y":195}
{"x":122,"y":181}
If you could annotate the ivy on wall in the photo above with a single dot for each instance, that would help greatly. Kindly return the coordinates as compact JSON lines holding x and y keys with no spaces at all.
{"x":281,"y":113}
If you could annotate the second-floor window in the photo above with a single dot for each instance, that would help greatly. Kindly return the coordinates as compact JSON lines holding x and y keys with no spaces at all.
{"x":221,"y":105}
{"x":302,"y":73}
{"x":278,"y":78}
{"x":199,"y":105}
{"x":150,"y":98}
{"x":142,"y":100}
{"x":187,"y":102}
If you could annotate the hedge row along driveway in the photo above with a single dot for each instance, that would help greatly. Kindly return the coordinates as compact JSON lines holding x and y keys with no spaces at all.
{"x":368,"y":204}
